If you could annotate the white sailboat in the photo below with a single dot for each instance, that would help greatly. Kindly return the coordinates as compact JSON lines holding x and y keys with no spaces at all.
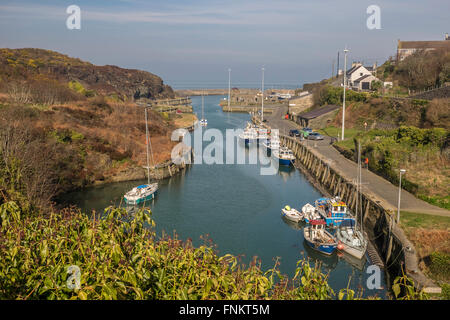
{"x":351,"y":238}
{"x":203,"y":121}
{"x":144,"y":192}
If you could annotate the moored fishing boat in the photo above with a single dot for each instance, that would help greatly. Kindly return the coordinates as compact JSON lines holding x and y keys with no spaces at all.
{"x":284,"y":155}
{"x":271,"y":144}
{"x":263,"y":135}
{"x":203,"y":121}
{"x":310,"y":213}
{"x":249,"y":136}
{"x":318,"y":238}
{"x":291,"y":214}
{"x":350,"y":239}
{"x":333,"y":211}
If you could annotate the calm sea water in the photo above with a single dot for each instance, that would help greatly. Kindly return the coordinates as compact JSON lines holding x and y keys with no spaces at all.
{"x":238,"y":208}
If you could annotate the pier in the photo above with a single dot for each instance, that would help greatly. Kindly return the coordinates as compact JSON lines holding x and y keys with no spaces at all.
{"x":334,"y":175}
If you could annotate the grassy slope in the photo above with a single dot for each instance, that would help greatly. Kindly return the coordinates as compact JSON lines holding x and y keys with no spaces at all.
{"x":431,"y":238}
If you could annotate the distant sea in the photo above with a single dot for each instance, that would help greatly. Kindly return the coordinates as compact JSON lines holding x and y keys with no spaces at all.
{"x":185,"y":85}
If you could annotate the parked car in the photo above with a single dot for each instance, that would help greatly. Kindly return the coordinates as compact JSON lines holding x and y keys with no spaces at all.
{"x":294,"y":133}
{"x":315,"y":136}
{"x":306,"y":131}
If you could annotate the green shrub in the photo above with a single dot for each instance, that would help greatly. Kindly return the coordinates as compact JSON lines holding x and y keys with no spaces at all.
{"x":118,"y":257}
{"x":440,"y":264}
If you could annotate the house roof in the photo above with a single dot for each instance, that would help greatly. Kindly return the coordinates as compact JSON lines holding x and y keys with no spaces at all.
{"x":364,"y":77}
{"x":423,"y":44}
{"x":351,"y":70}
{"x":318,"y":112}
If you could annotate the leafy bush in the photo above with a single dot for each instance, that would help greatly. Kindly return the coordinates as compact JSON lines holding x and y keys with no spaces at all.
{"x":334,"y":95}
{"x":118,"y":257}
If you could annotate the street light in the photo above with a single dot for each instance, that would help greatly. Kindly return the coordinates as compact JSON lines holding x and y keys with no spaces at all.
{"x":229,"y":88}
{"x":345,"y":80}
{"x":262,"y":96}
{"x":402,"y":171}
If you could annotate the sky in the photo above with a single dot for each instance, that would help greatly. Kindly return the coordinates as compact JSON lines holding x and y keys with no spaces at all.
{"x":192,"y":44}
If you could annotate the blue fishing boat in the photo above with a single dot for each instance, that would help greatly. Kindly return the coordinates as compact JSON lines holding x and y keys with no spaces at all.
{"x":284,"y":155}
{"x":333,"y":211}
{"x":318,"y":238}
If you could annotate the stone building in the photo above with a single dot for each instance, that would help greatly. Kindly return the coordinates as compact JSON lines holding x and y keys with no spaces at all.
{"x":407,"y":48}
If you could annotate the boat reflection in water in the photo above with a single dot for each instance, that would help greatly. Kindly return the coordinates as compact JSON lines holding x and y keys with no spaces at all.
{"x":353,"y":261}
{"x":294,"y":225}
{"x":328,"y":262}
{"x":286,"y":171}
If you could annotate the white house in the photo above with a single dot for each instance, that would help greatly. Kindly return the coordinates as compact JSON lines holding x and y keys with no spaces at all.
{"x":360,"y":77}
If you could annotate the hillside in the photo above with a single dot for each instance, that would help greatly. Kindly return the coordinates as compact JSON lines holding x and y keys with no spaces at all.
{"x":29,"y":65}
{"x":79,"y":122}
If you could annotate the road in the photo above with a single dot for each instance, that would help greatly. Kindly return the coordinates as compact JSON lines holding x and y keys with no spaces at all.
{"x":375,"y":184}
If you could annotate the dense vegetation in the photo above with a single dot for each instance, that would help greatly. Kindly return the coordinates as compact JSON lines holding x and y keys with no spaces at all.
{"x":334,"y":95}
{"x":424,"y":153}
{"x":119,"y":258}
{"x":48,"y":150}
{"x":421,"y":71}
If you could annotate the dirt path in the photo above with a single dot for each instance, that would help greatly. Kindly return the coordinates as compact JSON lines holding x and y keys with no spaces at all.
{"x":377,"y":185}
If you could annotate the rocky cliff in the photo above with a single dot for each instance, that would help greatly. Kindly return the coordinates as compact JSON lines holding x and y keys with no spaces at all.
{"x":32,"y":64}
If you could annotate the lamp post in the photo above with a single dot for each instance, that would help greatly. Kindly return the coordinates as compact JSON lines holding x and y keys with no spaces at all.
{"x":262,"y":96}
{"x":402,"y":171}
{"x":345,"y":84}
{"x":229,"y":88}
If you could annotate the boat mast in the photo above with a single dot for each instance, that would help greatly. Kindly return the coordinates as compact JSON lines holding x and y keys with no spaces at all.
{"x":203,"y":118}
{"x":360,"y":183}
{"x":358,"y":187}
{"x":147,"y":143}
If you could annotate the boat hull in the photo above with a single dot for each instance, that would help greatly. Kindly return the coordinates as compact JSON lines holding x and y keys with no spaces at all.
{"x":289,"y":215}
{"x":140,"y":200}
{"x":322,"y":248}
{"x":355,"y":252}
{"x":327,"y":248}
{"x":335,"y":221}
{"x":285,"y":162}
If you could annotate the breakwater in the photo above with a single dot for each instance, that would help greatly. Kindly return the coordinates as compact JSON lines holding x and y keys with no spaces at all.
{"x":245,"y":109}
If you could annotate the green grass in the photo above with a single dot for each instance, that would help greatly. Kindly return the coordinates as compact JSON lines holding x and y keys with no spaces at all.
{"x":421,"y":220}
{"x":443,"y":202}
{"x":349,"y":133}
{"x":332,"y":131}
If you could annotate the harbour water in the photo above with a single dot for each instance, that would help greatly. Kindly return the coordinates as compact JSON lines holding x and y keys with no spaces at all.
{"x":238,"y":208}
